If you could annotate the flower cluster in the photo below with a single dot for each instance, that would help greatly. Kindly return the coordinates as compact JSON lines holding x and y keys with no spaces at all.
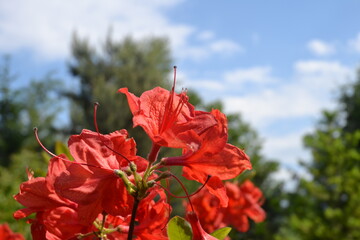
{"x":107,"y":191}
{"x":7,"y":234}
{"x":245,"y":202}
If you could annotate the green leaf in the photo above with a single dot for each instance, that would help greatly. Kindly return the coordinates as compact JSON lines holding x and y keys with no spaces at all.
{"x":247,"y":174}
{"x":221,"y":233}
{"x":179,"y":229}
{"x":61,"y":148}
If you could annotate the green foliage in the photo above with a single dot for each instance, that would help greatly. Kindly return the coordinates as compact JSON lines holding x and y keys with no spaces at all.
{"x":24,"y":108}
{"x":10,"y":180}
{"x":326,"y":204}
{"x":221,"y":233}
{"x":350,"y":104}
{"x":179,"y":229}
{"x":21,"y":109}
{"x":11,"y":138}
{"x":137,"y":65}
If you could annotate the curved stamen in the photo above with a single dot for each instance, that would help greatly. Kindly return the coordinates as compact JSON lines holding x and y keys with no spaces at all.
{"x":183,"y":187}
{"x":96,"y":104}
{"x":173,"y":88}
{"x":193,"y":194}
{"x":61,"y":158}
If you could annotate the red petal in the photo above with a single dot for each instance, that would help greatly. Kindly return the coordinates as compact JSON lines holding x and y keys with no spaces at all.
{"x":134,"y":102}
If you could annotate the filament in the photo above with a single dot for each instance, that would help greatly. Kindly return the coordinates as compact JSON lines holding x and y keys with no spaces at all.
{"x":187,"y":195}
{"x":63,"y":159}
{"x":96,"y":104}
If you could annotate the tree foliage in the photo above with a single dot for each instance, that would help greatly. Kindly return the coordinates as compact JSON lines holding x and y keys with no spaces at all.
{"x":326,"y":205}
{"x":23,"y":108}
{"x":138,"y":65}
{"x":11,"y":138}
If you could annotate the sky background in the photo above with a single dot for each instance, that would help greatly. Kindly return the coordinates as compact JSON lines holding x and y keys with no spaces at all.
{"x":278,"y":63}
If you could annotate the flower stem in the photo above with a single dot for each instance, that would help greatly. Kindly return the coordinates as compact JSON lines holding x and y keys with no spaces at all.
{"x":133,"y":215}
{"x":154,"y":153}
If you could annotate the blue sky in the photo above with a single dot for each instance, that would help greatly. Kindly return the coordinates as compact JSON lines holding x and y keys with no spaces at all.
{"x":279,"y":63}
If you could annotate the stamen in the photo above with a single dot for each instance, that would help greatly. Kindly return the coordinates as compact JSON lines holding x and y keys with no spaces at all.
{"x":183,"y":187}
{"x":168,"y":117}
{"x":61,"y":158}
{"x":96,"y":104}
{"x":173,"y":87}
{"x":193,"y":194}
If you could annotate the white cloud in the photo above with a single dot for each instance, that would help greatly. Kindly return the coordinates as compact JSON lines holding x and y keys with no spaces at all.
{"x":207,"y":85}
{"x":321,"y":48}
{"x":269,"y":105}
{"x":205,"y":50}
{"x":355,"y":43}
{"x":226,"y":46}
{"x":261,"y":74}
{"x":322,"y":75}
{"x":45,"y":27}
{"x":308,"y":91}
{"x":183,"y":81}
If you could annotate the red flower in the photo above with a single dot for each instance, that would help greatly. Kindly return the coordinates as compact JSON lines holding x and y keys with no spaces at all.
{"x":164,"y":115}
{"x":91,"y":181}
{"x":56,"y":217}
{"x":7,"y":234}
{"x":244,"y":202}
{"x":207,"y":153}
{"x":151,"y":218}
{"x":38,"y":194}
{"x":197,"y":231}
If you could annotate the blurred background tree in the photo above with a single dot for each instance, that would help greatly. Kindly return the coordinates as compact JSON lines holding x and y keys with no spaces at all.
{"x":11,"y":138}
{"x":137,"y":65}
{"x":326,"y":204}
{"x":21,"y":109}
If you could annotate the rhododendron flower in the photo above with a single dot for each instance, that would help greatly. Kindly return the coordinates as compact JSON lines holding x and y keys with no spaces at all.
{"x":207,"y":153}
{"x":151,"y":217}
{"x":108,"y":192}
{"x":164,"y":115}
{"x":7,"y":234}
{"x":90,"y":181}
{"x":171,"y":121}
{"x":245,"y":202}
{"x":56,"y":217}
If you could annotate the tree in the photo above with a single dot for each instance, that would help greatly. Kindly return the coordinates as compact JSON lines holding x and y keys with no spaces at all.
{"x":350,"y":105}
{"x":23,"y":108}
{"x":138,"y":65}
{"x":11,"y":138}
{"x":325,"y":205}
